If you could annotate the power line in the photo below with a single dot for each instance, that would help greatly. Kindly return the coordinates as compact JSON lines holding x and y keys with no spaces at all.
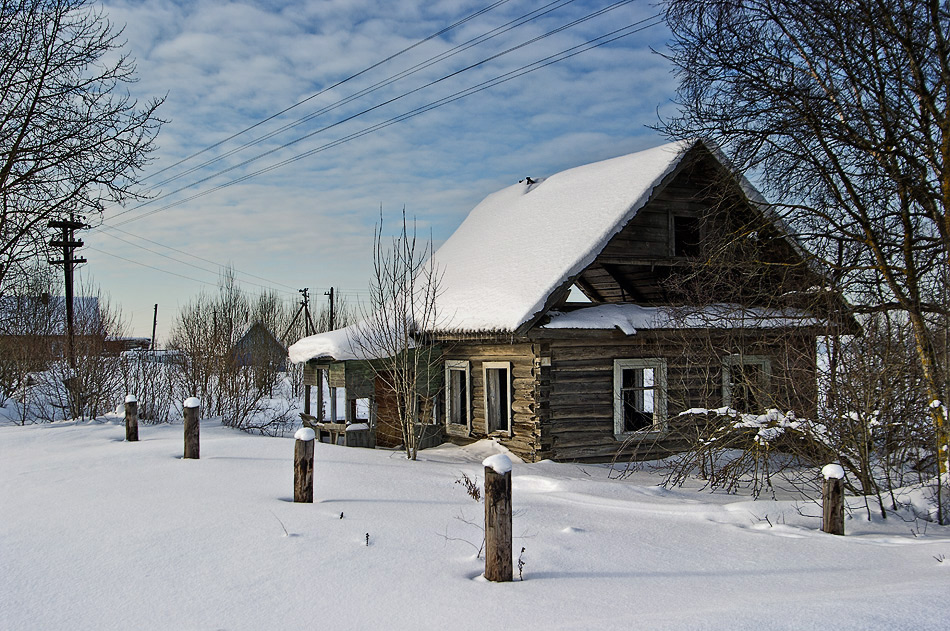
{"x":355,"y":292}
{"x":335,"y":85}
{"x":195,"y":256}
{"x":431,"y":61}
{"x":157,"y":269}
{"x":363,"y":112}
{"x":503,"y":78}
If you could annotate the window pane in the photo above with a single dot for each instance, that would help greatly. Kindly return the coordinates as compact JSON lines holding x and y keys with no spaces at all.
{"x":496,"y":386}
{"x":458,"y":397}
{"x":638,"y":393}
{"x":745,"y":387}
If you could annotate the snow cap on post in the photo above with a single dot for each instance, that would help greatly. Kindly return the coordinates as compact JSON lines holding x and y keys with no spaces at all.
{"x":830,"y":471}
{"x":192,"y":402}
{"x":305,"y":434}
{"x":499,"y":462}
{"x":130,"y":398}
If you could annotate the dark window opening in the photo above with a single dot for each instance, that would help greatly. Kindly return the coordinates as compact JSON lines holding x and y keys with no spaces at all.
{"x":497,"y":406}
{"x":637,"y":392}
{"x":458,"y":397}
{"x":745,"y":388}
{"x":686,"y":236}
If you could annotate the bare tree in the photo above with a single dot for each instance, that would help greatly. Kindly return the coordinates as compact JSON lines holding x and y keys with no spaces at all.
{"x":71,"y":137}
{"x":841,"y":112}
{"x":237,"y":378}
{"x":29,"y":322}
{"x":392,"y":332}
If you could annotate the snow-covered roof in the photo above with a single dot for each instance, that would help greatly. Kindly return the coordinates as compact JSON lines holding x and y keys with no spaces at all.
{"x":338,"y":344}
{"x":519,"y":245}
{"x":525,"y":241}
{"x":630,"y":317}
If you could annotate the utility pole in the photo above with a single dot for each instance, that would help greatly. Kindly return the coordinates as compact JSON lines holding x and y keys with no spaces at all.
{"x":154,"y":325}
{"x":332,"y":327}
{"x":68,"y":244}
{"x":309,"y":329}
{"x":332,"y":311}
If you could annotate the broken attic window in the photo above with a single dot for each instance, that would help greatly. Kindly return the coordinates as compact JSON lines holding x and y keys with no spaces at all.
{"x":686,"y":236}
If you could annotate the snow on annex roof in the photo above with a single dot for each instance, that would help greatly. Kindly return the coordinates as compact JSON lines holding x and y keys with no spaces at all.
{"x":525,"y":241}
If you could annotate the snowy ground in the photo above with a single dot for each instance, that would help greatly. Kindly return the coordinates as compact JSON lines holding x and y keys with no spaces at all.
{"x":97,"y":533}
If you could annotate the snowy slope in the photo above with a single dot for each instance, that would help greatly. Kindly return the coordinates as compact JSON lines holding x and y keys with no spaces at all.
{"x":96,"y":533}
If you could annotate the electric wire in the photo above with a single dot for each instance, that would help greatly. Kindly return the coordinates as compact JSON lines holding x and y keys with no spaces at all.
{"x":335,"y":85}
{"x":203,"y":269}
{"x":523,"y":70}
{"x":366,"y":111}
{"x":484,"y":37}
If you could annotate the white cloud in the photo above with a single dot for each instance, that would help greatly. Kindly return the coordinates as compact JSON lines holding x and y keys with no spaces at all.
{"x":227,"y":65}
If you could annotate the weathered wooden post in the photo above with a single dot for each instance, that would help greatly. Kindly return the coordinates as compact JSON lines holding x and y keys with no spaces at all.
{"x":191,"y":410}
{"x":303,"y":465}
{"x":832,"y":499}
{"x":498,"y":518}
{"x":131,"y":418}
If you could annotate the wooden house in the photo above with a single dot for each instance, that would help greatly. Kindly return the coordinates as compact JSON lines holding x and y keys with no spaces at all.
{"x":257,"y":346}
{"x":581,"y":315}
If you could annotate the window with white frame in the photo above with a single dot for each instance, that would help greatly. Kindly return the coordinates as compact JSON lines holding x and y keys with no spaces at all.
{"x":746,"y":383}
{"x":639,"y":396}
{"x":457,"y":394}
{"x":498,"y":396}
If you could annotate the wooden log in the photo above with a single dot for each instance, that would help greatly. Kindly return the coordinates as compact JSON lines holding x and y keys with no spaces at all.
{"x":832,"y":500}
{"x":192,"y":415}
{"x":303,"y":465}
{"x":498,"y":565}
{"x":131,"y":418}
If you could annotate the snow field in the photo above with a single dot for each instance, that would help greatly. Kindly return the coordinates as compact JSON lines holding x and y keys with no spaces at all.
{"x":97,"y":533}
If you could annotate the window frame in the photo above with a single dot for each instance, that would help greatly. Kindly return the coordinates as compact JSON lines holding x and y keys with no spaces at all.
{"x":457,"y":365}
{"x":765,"y":378}
{"x":659,"y":366}
{"x":506,"y":366}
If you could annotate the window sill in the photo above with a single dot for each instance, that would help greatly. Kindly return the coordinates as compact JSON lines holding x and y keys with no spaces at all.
{"x":642,"y":434}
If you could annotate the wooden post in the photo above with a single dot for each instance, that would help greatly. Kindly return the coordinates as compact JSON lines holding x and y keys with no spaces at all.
{"x":191,"y":410}
{"x":498,"y":566}
{"x":832,"y":500}
{"x":303,"y":465}
{"x":131,"y":418}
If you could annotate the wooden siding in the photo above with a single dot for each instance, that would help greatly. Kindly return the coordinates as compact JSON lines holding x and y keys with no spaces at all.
{"x":525,"y":438}
{"x":579,"y":406}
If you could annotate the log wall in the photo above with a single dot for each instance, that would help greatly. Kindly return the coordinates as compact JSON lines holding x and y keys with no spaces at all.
{"x":578,"y":408}
{"x":525,"y":438}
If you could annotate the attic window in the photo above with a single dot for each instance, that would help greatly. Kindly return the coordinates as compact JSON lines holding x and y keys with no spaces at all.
{"x":686,"y":236}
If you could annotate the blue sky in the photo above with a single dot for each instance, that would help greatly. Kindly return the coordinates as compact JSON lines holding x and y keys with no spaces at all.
{"x":225,"y":66}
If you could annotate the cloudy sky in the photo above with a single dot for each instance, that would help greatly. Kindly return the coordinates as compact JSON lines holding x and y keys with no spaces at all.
{"x":293,"y":202}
